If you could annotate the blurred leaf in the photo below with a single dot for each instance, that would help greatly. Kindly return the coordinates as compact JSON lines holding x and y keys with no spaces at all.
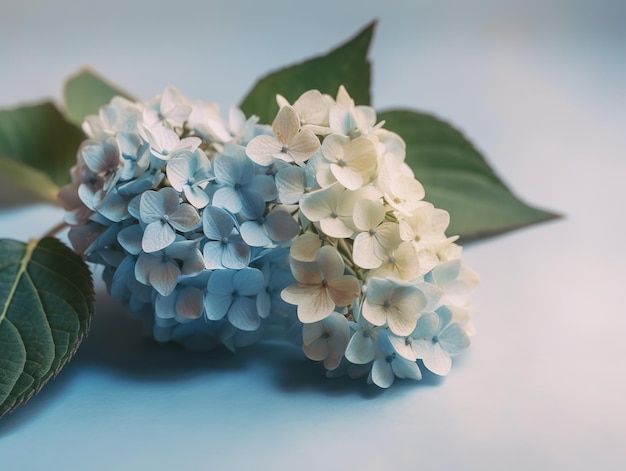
{"x":347,"y":64}
{"x":37,"y":147}
{"x":29,"y":178}
{"x":458,"y":179}
{"x":86,"y":92}
{"x":46,"y":304}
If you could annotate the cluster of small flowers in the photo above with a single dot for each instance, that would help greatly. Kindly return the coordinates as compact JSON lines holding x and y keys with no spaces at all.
{"x":212,"y":229}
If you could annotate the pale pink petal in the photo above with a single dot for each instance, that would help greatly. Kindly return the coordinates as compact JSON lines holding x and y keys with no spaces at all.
{"x":303,"y":145}
{"x":286,"y":124}
{"x":343,"y":291}
{"x":317,"y":350}
{"x":305,"y":247}
{"x":307,"y":273}
{"x":330,"y":263}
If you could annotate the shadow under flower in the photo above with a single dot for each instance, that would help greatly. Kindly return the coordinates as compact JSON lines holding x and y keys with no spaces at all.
{"x":120,"y":345}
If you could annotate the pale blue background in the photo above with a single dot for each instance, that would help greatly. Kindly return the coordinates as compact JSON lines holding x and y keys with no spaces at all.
{"x":539,"y":86}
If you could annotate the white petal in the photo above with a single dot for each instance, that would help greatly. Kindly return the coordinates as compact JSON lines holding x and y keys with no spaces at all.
{"x":402,"y":345}
{"x":361,"y":349}
{"x":291,"y":182}
{"x":453,"y":339}
{"x":347,"y":177}
{"x":196,"y":196}
{"x":368,"y":214}
{"x":363,"y":251}
{"x":335,"y":227}
{"x":178,"y":172}
{"x":304,"y":145}
{"x":157,"y":236}
{"x":316,"y":206}
{"x":262,"y":149}
{"x":382,"y":374}
{"x":403,"y":368}
{"x":438,"y":361}
{"x":286,"y":124}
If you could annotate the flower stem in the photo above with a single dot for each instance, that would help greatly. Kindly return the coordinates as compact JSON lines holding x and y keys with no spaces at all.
{"x":56,"y":229}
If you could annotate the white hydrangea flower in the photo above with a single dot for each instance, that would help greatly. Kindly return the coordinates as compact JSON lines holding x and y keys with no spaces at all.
{"x":395,"y":304}
{"x":350,"y":120}
{"x":289,"y":142}
{"x":313,"y":108}
{"x":326,"y":340}
{"x":321,"y":286}
{"x":376,"y":238}
{"x":352,"y":162}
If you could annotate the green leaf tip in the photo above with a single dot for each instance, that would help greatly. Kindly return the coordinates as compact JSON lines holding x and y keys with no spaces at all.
{"x":46,"y":304}
{"x":347,"y":64}
{"x":457,"y":178}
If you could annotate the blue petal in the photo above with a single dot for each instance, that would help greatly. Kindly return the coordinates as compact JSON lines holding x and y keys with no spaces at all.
{"x":253,"y":233}
{"x":243,"y":314}
{"x":213,"y":252}
{"x":157,"y":236}
{"x":221,"y":282}
{"x":228,"y":198}
{"x":236,"y":253}
{"x":217,"y":223}
{"x":248,"y":281}
{"x":163,"y":277}
{"x":216,"y":305}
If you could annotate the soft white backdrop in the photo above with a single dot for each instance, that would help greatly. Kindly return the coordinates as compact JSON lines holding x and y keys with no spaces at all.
{"x":540,"y":88}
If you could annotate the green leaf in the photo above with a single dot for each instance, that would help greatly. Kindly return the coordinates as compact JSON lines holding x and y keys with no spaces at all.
{"x":457,"y":178}
{"x":17,"y":174}
{"x":46,"y":304}
{"x":346,"y":65}
{"x":86,"y":92}
{"x":37,"y":140}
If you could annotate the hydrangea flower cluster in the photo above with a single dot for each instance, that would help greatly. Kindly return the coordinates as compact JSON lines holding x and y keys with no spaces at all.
{"x":210,"y":230}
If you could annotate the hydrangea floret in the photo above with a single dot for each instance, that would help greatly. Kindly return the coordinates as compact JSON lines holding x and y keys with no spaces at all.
{"x":210,"y":230}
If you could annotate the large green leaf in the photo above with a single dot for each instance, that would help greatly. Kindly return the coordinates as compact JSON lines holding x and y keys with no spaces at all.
{"x":37,"y":140}
{"x":46,"y":303}
{"x":86,"y":92}
{"x":346,"y":65}
{"x":457,"y":178}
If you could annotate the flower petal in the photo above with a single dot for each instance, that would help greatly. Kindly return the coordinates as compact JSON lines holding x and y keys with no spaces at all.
{"x":262,"y":149}
{"x":189,"y":303}
{"x":286,"y":124}
{"x":361,"y":349}
{"x":157,"y":235}
{"x":243,"y":315}
{"x":163,"y":277}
